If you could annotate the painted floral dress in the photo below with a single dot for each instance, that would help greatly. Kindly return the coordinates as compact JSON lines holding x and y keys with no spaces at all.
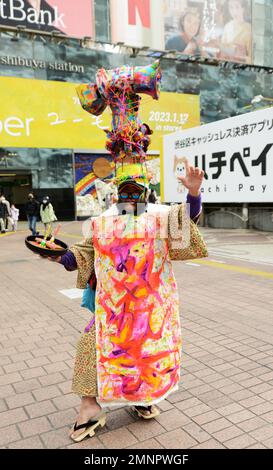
{"x":137,"y":316}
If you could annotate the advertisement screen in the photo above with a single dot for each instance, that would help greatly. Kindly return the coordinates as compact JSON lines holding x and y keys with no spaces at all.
{"x":213,"y":28}
{"x":218,"y":29}
{"x":236,"y":155}
{"x":74,"y":19}
{"x":86,"y":174}
{"x":46,"y":114}
{"x":93,"y":191}
{"x":137,"y":23}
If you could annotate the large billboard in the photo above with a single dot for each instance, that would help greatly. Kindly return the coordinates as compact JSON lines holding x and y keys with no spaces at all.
{"x":69,"y":17}
{"x":212,"y":28}
{"x":86,"y":172}
{"x":236,"y":155}
{"x":218,"y":29}
{"x":138,"y":23}
{"x":48,"y":114}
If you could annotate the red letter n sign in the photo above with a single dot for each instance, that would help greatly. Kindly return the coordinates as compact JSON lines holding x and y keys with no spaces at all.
{"x":143,"y":8}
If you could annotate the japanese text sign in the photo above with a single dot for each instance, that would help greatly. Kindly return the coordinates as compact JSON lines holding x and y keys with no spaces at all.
{"x":236,"y":155}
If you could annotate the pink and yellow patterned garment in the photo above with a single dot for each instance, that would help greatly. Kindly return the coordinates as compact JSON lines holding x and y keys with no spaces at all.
{"x":137,"y":315}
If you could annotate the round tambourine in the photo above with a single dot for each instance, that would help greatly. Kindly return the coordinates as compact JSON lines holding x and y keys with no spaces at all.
{"x":58,"y":248}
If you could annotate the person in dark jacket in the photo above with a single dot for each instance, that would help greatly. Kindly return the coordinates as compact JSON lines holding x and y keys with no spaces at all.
{"x":32,"y":209}
{"x":6,"y":218}
{"x":3,"y":216}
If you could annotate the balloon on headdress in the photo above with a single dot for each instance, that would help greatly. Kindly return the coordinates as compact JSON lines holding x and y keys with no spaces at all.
{"x":130,"y":79}
{"x":125,"y":109}
{"x":90,"y":99}
{"x":147,"y":80}
{"x":122,"y":83}
{"x":119,"y":89}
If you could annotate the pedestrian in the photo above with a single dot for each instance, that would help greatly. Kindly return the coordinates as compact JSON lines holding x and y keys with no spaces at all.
{"x":14,"y":217}
{"x":47,"y":215}
{"x":130,"y":351}
{"x":8,"y":212}
{"x":3,"y":216}
{"x":32,"y":213}
{"x":129,"y":360}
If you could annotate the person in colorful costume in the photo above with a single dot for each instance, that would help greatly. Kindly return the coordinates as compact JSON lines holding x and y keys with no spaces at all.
{"x":130,"y":352}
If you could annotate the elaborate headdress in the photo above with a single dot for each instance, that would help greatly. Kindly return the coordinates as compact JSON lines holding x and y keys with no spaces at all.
{"x":129,"y":138}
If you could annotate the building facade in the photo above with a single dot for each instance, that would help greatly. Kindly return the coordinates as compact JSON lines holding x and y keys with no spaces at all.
{"x":225,"y":88}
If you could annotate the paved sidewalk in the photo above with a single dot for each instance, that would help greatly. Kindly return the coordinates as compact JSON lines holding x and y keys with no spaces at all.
{"x":226,"y":394}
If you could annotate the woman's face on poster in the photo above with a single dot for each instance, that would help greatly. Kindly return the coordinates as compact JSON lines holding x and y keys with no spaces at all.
{"x":191,"y":24}
{"x":236,"y":10}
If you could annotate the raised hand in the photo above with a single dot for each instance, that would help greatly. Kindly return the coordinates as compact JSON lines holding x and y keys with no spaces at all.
{"x":193,"y":179}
